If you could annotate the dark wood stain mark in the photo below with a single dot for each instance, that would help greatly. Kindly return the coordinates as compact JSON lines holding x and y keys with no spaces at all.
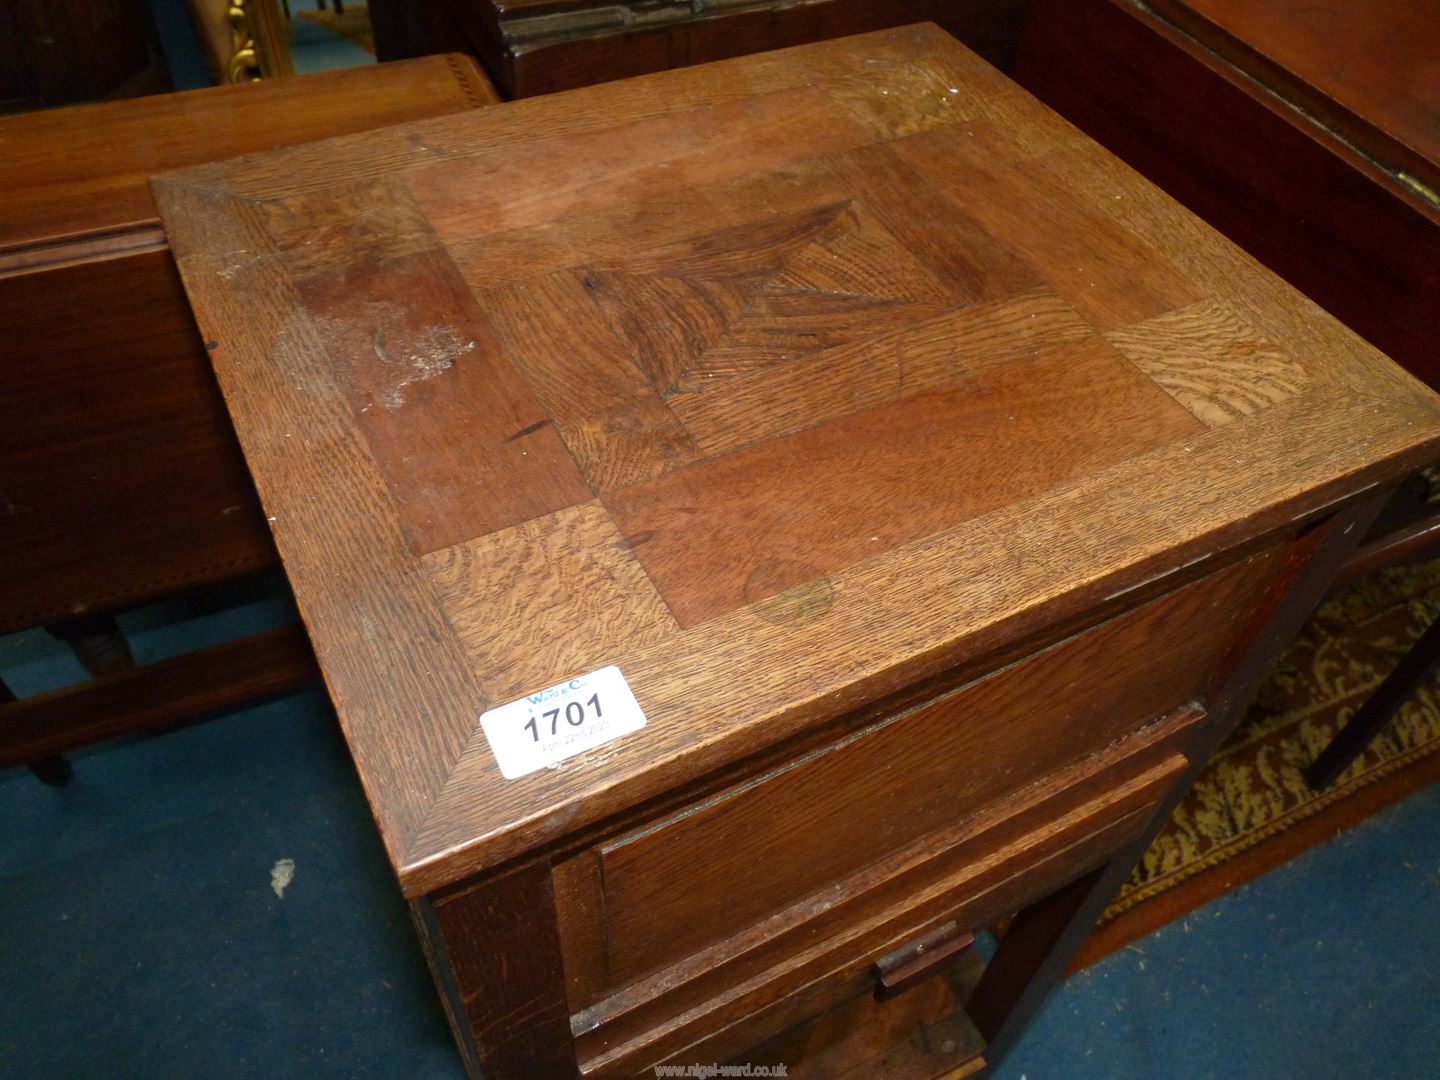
{"x":419,"y":361}
{"x":529,"y":429}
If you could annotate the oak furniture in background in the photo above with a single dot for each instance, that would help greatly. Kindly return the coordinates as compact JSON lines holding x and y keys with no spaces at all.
{"x":120,"y":479}
{"x":938,"y":487}
{"x":535,"y":47}
{"x":58,"y":52}
{"x":1305,"y":132}
{"x":1309,"y":133}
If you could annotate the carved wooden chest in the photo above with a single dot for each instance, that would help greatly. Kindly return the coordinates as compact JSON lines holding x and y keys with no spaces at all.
{"x":534,"y":47}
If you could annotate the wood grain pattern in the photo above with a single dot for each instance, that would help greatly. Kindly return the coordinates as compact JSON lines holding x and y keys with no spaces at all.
{"x":986,"y":582}
{"x":711,"y":536}
{"x":1211,"y":362}
{"x":708,"y":93}
{"x":937,"y":230}
{"x":122,"y":480}
{"x":542,"y":48}
{"x":612,"y":418}
{"x":780,"y":182}
{"x":71,"y":171}
{"x":609,"y":237}
{"x":418,"y":361}
{"x":624,"y":161}
{"x":1080,"y":253}
{"x":892,"y":366}
{"x":513,"y":915}
{"x":683,"y":882}
{"x":408,"y":685}
{"x":746,"y":298}
{"x":504,"y":594}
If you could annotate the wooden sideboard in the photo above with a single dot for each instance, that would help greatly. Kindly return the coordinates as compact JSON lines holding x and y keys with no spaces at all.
{"x":1305,"y":132}
{"x":120,"y":478}
{"x":761,"y":523}
{"x":58,"y":52}
{"x":535,"y":47}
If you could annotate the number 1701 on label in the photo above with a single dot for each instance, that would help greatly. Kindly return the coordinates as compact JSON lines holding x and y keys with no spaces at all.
{"x":556,"y":723}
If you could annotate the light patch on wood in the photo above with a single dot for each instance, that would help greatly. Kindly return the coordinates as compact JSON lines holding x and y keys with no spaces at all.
{"x":507,"y":595}
{"x":406,"y":356}
{"x":1208,"y":359}
{"x":424,"y":356}
{"x":281,"y":875}
{"x":896,"y":98}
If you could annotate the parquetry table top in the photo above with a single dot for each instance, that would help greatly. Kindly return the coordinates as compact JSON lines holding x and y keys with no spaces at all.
{"x":780,"y":383}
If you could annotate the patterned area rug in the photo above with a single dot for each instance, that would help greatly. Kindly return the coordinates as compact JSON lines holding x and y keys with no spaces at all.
{"x":1251,"y":809}
{"x":353,"y":26}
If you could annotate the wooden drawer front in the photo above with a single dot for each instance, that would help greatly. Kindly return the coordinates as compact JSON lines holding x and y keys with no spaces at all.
{"x":711,"y":870}
{"x":818,"y":952}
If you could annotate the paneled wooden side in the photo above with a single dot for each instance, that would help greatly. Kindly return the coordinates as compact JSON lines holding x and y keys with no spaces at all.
{"x":496,"y":958}
{"x":1047,"y":932}
{"x":683,"y":881}
{"x":120,"y":477}
{"x":808,"y":957}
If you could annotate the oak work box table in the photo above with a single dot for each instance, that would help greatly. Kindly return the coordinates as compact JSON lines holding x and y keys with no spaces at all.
{"x":936,"y":486}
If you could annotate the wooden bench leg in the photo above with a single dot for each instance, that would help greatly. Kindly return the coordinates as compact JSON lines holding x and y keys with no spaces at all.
{"x":1383,"y":704}
{"x":55,"y":769}
{"x":99,"y":644}
{"x":96,"y":641}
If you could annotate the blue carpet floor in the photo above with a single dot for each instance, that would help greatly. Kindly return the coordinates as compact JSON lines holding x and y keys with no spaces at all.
{"x":313,"y":48}
{"x":140,"y":935}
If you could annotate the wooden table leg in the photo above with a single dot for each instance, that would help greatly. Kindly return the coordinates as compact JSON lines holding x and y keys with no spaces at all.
{"x":1383,"y":704}
{"x":96,"y":641}
{"x":1041,"y":942}
{"x":494,"y":950}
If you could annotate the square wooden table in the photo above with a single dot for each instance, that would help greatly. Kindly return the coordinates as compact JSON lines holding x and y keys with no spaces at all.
{"x":937,"y":488}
